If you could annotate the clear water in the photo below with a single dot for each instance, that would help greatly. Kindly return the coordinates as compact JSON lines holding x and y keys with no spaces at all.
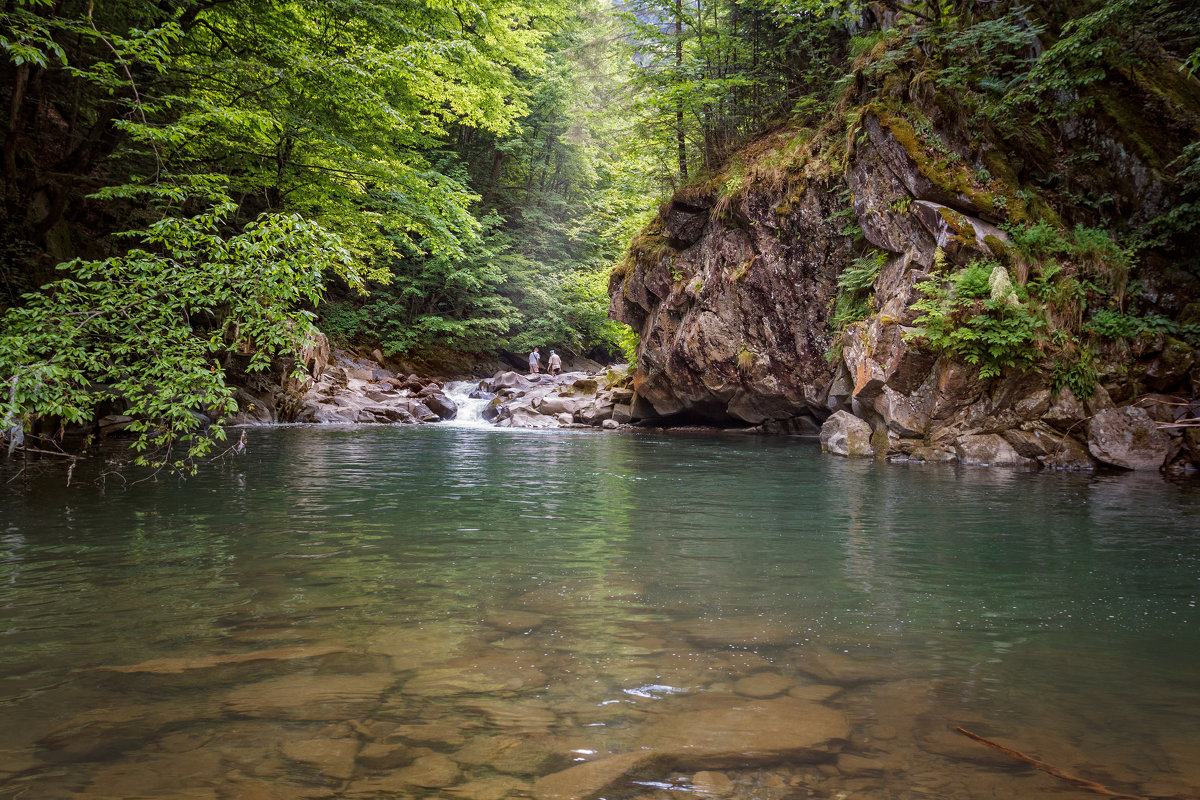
{"x":504,"y":604}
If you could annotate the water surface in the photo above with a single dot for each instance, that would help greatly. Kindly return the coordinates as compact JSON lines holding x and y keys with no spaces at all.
{"x":500,"y":605}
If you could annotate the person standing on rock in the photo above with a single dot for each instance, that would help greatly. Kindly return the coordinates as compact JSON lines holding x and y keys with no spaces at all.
{"x":535,"y":359}
{"x":554,"y":364}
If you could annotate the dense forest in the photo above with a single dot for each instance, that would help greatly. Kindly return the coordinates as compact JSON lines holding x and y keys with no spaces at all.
{"x":185,"y":179}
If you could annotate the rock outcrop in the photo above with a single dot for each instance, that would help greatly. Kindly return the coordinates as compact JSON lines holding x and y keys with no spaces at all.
{"x":733,"y":290}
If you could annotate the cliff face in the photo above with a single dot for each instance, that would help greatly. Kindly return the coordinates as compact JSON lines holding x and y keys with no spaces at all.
{"x":735,"y":292}
{"x":732,"y":304}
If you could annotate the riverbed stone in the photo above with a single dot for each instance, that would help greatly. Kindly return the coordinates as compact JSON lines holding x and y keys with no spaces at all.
{"x":710,"y":784}
{"x":762,"y":685}
{"x":515,"y":716}
{"x":488,"y":673}
{"x":383,"y":755}
{"x":413,"y":646}
{"x":103,"y":732}
{"x":432,"y":771}
{"x":844,"y":434}
{"x":309,"y":697}
{"x":745,"y":734}
{"x":176,"y":666}
{"x":493,"y":788}
{"x":1127,"y":437}
{"x":741,"y":631}
{"x":592,"y":778}
{"x":332,"y":757}
{"x":513,"y":755}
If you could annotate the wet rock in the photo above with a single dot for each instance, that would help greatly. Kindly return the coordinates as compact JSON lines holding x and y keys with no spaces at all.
{"x":989,"y":450}
{"x":1069,"y":455}
{"x":746,"y":632}
{"x":495,"y":788}
{"x":309,"y":697}
{"x":762,"y":685}
{"x":832,"y":667}
{"x":851,"y":764}
{"x":710,"y":784}
{"x":332,"y":757}
{"x":1127,"y":437}
{"x":105,"y":732}
{"x":610,"y":424}
{"x":844,"y":434}
{"x":593,"y":778}
{"x":432,"y":771}
{"x":381,"y":755}
{"x":486,"y":674}
{"x":162,"y":776}
{"x":816,"y":692}
{"x":933,"y":455}
{"x":175,"y":666}
{"x":516,"y":716}
{"x":441,"y":405}
{"x":513,"y":755}
{"x":411,"y":647}
{"x":744,"y":734}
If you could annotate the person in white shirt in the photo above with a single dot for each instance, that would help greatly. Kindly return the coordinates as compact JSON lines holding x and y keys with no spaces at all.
{"x":554,"y":364}
{"x":535,"y":359}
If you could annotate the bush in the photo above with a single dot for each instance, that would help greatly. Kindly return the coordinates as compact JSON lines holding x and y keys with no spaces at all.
{"x":991,"y":334}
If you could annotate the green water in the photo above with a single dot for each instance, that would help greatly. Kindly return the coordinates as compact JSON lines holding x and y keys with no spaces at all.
{"x":551,"y":594}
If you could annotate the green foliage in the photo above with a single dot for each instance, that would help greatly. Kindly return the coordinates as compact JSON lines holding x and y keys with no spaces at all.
{"x":1116,"y":325}
{"x":1074,"y":368}
{"x":862,"y":272}
{"x":146,"y":331}
{"x":992,"y":334}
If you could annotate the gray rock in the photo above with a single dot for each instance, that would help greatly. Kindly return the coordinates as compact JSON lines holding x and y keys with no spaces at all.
{"x":1127,"y":437}
{"x":989,"y":450}
{"x":844,"y":434}
{"x":441,"y":405}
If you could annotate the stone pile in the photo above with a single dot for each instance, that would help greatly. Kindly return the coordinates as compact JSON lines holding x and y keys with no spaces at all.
{"x":352,"y":390}
{"x":555,"y":401}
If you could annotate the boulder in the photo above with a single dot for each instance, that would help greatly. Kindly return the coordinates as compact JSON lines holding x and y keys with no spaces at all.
{"x":844,"y":434}
{"x":441,"y":405}
{"x":1127,"y":437}
{"x":740,"y":734}
{"x":989,"y":450}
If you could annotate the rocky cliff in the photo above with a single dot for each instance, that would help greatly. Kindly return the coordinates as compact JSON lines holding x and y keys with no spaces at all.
{"x":862,"y":268}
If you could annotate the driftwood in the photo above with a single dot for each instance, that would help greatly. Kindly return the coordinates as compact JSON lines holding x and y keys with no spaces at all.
{"x":1082,"y":783}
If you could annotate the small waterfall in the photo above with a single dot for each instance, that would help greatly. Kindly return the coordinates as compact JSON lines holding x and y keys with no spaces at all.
{"x":469,"y":409}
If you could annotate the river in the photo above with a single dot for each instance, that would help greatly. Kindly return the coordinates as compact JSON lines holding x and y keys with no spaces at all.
{"x":457,"y":611}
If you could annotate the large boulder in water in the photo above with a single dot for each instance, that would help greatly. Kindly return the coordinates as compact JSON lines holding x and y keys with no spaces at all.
{"x":844,"y":434}
{"x":989,"y":450}
{"x":1127,"y":437}
{"x":441,"y":405}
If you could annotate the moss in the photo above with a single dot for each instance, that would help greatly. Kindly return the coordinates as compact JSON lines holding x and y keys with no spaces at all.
{"x":964,"y":231}
{"x":999,"y":249}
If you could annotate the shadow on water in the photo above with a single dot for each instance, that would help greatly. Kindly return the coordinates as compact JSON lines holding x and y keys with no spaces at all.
{"x":389,"y":612}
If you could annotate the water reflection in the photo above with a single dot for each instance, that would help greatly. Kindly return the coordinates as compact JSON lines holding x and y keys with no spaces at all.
{"x":467,"y":611}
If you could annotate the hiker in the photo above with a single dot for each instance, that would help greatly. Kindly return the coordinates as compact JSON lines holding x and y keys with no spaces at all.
{"x":535,"y":358}
{"x":554,"y":364}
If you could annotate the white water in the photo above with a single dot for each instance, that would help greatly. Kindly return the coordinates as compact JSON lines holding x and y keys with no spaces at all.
{"x":469,"y":409}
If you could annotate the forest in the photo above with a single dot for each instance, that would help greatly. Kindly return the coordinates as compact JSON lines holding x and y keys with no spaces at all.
{"x":185,"y":179}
